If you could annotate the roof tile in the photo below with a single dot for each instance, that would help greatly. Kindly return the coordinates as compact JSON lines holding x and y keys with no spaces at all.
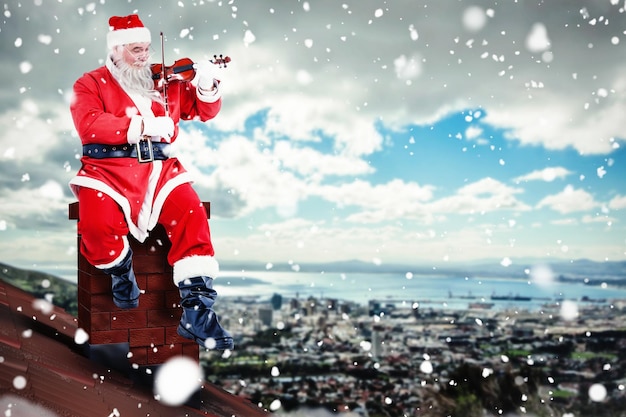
{"x":38,"y":347}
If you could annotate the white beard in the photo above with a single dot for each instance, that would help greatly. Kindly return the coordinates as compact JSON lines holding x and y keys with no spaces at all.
{"x":136,"y":80}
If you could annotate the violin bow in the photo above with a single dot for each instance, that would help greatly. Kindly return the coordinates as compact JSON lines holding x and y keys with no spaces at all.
{"x":164,"y":76}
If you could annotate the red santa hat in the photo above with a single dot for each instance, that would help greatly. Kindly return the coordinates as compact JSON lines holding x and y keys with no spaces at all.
{"x":125,"y":30}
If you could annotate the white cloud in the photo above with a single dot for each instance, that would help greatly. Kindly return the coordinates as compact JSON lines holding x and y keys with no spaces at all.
{"x":618,"y":202}
{"x":570,"y":200}
{"x":51,"y":190}
{"x":408,"y":68}
{"x":256,"y":177}
{"x":261,"y":177}
{"x":355,"y":81}
{"x":317,"y":165}
{"x":473,"y":132}
{"x":587,"y":218}
{"x":398,"y":201}
{"x":33,"y":205}
{"x":326,"y":78}
{"x":558,"y":119}
{"x":392,"y":200}
{"x":32,"y":130}
{"x":547,"y":174}
{"x":568,"y":221}
{"x":299,"y":117}
{"x":33,"y":249}
{"x":302,"y":241}
{"x":485,"y":195}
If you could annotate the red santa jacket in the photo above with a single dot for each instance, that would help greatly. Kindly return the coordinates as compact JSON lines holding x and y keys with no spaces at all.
{"x":104,"y":113}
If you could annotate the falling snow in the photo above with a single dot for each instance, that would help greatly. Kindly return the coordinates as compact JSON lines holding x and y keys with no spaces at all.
{"x":505,"y":140}
{"x":176,"y":380}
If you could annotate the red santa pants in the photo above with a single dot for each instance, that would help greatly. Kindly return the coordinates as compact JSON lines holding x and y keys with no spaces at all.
{"x":103,"y":227}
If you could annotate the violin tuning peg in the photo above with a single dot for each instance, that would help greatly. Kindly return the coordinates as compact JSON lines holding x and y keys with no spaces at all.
{"x":221,"y":60}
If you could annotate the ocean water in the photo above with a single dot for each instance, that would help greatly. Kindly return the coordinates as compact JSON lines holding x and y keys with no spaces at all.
{"x":429,"y":291}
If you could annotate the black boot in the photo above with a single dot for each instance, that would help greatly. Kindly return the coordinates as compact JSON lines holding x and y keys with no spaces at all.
{"x":199,"y":322}
{"x":124,"y":283}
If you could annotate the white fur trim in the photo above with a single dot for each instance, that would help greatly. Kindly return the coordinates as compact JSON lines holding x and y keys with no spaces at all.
{"x":164,"y":192}
{"x":126,"y":36}
{"x":195,"y":266}
{"x":82,"y":181}
{"x":134,"y":129}
{"x":211,"y":96}
{"x":139,"y":233}
{"x":143,"y":219}
{"x":144,"y":104}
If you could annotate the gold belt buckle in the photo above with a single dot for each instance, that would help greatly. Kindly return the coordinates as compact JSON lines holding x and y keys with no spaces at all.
{"x":144,"y":151}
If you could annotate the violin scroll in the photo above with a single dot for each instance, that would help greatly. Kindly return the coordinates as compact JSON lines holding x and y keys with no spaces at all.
{"x":221,"y":61}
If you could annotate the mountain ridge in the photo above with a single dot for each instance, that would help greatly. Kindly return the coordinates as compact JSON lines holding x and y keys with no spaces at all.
{"x":580,"y":268}
{"x":62,"y":292}
{"x":56,"y":290}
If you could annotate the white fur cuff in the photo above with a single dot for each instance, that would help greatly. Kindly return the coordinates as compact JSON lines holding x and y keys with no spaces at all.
{"x":206,"y":94}
{"x":134,"y":129}
{"x":195,"y":266}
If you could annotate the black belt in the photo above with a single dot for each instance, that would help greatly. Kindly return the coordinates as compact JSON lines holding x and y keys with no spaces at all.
{"x":144,"y":151}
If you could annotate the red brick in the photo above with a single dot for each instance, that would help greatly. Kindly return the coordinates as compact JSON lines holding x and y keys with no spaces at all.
{"x":160,"y":354}
{"x":84,"y":318}
{"x":141,"y":281}
{"x":101,"y":284}
{"x":139,"y":355}
{"x":154,"y":323}
{"x":102,"y":303}
{"x":85,"y":266}
{"x":160,"y":282}
{"x":108,"y":336}
{"x":172,"y":299}
{"x":95,"y":284}
{"x":129,"y":319}
{"x":147,"y":337}
{"x":156,"y":244}
{"x":151,"y":300}
{"x":171,"y":336}
{"x":84,"y":298}
{"x":164,"y":318}
{"x":147,"y":264}
{"x":100,"y":321}
{"x":72,"y":211}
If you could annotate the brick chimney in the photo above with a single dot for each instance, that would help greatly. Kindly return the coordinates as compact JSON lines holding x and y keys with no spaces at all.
{"x":141,"y":337}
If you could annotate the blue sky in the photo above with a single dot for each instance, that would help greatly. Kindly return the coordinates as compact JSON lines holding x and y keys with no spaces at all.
{"x":417,"y":132}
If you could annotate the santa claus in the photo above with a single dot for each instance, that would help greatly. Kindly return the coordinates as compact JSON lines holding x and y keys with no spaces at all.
{"x":129,"y":184}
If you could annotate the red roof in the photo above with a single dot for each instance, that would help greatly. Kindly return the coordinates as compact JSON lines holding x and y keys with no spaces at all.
{"x":42,"y":366}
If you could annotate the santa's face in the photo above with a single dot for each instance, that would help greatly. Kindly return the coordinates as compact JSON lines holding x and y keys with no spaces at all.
{"x":136,"y":54}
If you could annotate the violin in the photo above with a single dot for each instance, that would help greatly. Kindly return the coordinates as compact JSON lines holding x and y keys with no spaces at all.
{"x":183,"y":69}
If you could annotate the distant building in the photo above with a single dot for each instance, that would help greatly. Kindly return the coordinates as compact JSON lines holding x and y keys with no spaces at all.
{"x":377,"y":309}
{"x":277,"y":301}
{"x":377,"y":342}
{"x":266,"y":316}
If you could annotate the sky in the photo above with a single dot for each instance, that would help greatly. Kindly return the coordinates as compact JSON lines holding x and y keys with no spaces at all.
{"x":413,"y":132}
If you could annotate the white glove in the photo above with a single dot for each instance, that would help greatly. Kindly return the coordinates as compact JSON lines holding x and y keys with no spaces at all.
{"x":206,"y":73}
{"x":162,"y":126}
